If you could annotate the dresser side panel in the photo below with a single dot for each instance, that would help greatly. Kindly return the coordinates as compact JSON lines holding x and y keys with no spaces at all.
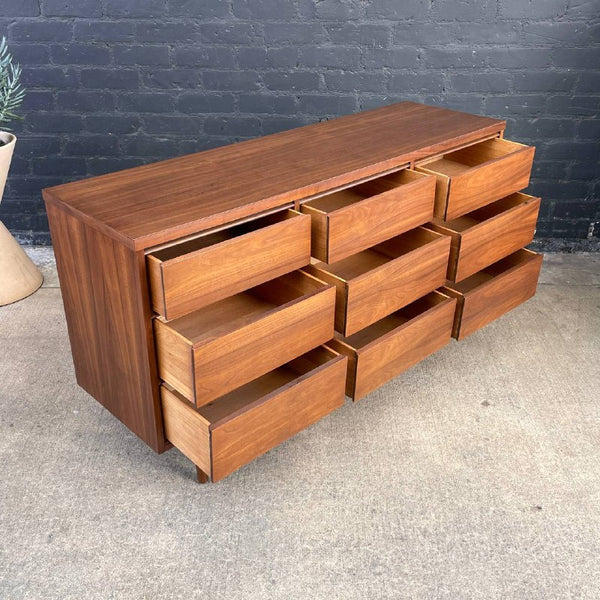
{"x":105,"y":295}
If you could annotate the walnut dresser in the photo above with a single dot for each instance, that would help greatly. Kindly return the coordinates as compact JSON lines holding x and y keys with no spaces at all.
{"x":223,"y":301}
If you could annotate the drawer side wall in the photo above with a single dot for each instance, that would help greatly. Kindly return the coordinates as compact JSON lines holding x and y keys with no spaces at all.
{"x":186,"y":429}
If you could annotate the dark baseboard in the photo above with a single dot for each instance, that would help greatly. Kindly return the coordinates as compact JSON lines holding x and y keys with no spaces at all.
{"x":566,"y":245}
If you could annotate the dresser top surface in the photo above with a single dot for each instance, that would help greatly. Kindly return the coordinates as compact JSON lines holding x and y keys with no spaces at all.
{"x":162,"y":201}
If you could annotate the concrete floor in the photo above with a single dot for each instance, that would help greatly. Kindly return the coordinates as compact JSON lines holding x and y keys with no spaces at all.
{"x":476,"y":474}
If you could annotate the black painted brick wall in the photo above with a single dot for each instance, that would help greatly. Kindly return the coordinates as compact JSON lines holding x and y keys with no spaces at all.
{"x":117,"y":83}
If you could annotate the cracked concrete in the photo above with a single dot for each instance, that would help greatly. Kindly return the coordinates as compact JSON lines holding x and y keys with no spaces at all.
{"x":476,"y":474}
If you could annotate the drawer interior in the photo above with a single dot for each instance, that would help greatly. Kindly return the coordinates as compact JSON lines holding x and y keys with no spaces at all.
{"x":216,"y":237}
{"x":253,"y":393}
{"x":230,"y":314}
{"x":373,"y":332}
{"x":459,"y":161}
{"x":367,"y":260}
{"x":489,"y":211}
{"x":487,"y":274}
{"x":352,"y":195}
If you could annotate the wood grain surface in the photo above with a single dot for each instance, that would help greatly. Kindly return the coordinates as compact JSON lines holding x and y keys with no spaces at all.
{"x":361,"y":216}
{"x":224,"y":435}
{"x":316,"y":390}
{"x":479,"y":174}
{"x":186,"y":428}
{"x":163,"y":201}
{"x":387,"y":348}
{"x":488,"y":234}
{"x":104,"y":290}
{"x":210,"y":352}
{"x":494,"y":291}
{"x":376,"y":282}
{"x":204,"y":270}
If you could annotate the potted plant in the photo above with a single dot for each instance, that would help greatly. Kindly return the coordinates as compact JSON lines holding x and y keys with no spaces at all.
{"x":19,"y":277}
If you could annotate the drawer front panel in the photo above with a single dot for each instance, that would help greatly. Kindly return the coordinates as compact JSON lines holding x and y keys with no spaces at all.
{"x":477,"y":247}
{"x":214,"y":350}
{"x":244,"y":437}
{"x":234,"y":430}
{"x":191,"y":281}
{"x":403,"y":348}
{"x":379,"y":218}
{"x":231,"y":361}
{"x":492,"y":170}
{"x":400,"y":282}
{"x":385,"y":214}
{"x":489,"y":182}
{"x":486,"y":302}
{"x":496,"y":238}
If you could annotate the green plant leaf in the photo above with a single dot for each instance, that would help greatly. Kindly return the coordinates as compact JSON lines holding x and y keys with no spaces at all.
{"x":12,"y":92}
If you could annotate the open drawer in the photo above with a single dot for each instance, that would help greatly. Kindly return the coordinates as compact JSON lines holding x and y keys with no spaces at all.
{"x":350,"y":220}
{"x":197,"y":272}
{"x":376,"y":282}
{"x":224,"y":435}
{"x":220,"y":347}
{"x":484,"y":236}
{"x":390,"y":346}
{"x":494,"y":291}
{"x":477,"y":175}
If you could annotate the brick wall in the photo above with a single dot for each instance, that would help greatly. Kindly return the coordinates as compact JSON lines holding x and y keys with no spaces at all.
{"x":117,"y":83}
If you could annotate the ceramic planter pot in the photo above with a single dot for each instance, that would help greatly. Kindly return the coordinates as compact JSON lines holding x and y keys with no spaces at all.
{"x":6,"y":152}
{"x":19,"y":277}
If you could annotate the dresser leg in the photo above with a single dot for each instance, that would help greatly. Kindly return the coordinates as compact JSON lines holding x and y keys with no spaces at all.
{"x":202,"y":476}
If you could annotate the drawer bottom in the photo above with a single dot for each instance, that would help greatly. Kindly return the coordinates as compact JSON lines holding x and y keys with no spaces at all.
{"x":231,"y":431}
